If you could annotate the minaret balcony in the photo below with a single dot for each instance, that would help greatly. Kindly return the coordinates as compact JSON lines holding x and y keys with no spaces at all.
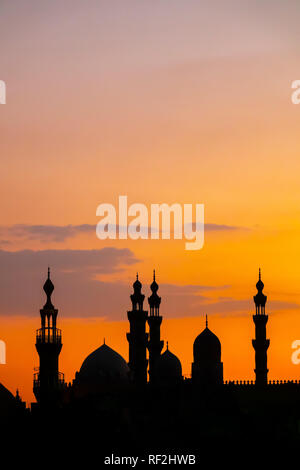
{"x":48,"y":335}
{"x":56,"y":380}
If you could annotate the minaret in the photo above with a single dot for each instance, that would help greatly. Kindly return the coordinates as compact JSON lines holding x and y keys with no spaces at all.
{"x":155,"y":345}
{"x":260,"y":343}
{"x":48,"y":381}
{"x":137,"y":338}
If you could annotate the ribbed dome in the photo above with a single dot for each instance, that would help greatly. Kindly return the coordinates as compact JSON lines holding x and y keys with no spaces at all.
{"x":169,"y":367}
{"x":104,"y":365}
{"x":207,"y":347}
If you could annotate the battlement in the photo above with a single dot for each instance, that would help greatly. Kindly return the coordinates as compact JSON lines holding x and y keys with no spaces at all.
{"x":251,"y":383}
{"x":271,"y":383}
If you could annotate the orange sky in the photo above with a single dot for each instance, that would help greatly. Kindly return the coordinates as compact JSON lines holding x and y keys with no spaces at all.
{"x":172,"y":102}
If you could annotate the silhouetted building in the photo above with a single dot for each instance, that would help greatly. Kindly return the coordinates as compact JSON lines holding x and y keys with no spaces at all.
{"x":168,"y":369}
{"x":10,"y":406}
{"x":48,"y":381}
{"x":260,"y":343}
{"x":103,"y":369}
{"x":107,"y":390}
{"x":155,"y":344}
{"x":137,"y":337}
{"x":207,"y":368}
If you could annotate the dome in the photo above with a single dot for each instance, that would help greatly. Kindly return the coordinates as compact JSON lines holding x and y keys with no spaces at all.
{"x":260,"y":285}
{"x":154,"y":286}
{"x":48,"y":286}
{"x":137,"y":285}
{"x":169,"y":367}
{"x":104,"y":365}
{"x":207,"y":347}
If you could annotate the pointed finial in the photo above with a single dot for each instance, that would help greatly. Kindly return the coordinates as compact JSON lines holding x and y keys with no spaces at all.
{"x":259,"y":284}
{"x":167,"y":345}
{"x":137,"y":276}
{"x":18,"y":398}
{"x":153,"y":274}
{"x":48,"y":272}
{"x":104,"y":340}
{"x":206,"y":321}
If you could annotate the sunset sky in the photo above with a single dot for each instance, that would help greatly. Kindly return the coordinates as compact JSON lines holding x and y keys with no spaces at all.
{"x":165,"y":101}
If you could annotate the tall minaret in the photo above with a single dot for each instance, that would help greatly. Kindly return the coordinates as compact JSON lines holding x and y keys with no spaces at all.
{"x":48,"y":381}
{"x":155,"y":345}
{"x":260,"y":343}
{"x":137,"y":338}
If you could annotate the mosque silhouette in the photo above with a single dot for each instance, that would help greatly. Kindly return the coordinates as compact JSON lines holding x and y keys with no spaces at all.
{"x":148,"y":399}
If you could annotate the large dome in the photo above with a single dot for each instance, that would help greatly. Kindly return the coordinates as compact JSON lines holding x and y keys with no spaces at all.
{"x":104,"y":365}
{"x":207,"y":347}
{"x":169,"y":367}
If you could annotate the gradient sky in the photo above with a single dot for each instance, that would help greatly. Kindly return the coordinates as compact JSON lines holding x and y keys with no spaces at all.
{"x":162,"y":101}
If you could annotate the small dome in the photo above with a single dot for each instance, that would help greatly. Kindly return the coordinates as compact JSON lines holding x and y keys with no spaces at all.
{"x":154,"y":286}
{"x":48,"y":286}
{"x":137,"y":285}
{"x":169,"y":367}
{"x":207,"y":347}
{"x":104,"y":365}
{"x":259,"y":285}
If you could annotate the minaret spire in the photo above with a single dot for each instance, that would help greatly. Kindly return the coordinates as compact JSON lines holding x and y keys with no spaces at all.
{"x":48,"y":381}
{"x":260,"y":343}
{"x":137,"y":337}
{"x":206,"y":321}
{"x":155,"y":344}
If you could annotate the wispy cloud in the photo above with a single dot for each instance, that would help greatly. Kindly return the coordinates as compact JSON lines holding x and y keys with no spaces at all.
{"x":79,"y":292}
{"x":46,"y":233}
{"x":22,"y":274}
{"x":61,"y":233}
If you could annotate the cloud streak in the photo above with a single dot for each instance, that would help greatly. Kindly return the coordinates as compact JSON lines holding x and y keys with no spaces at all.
{"x":61,"y":233}
{"x":79,"y":292}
